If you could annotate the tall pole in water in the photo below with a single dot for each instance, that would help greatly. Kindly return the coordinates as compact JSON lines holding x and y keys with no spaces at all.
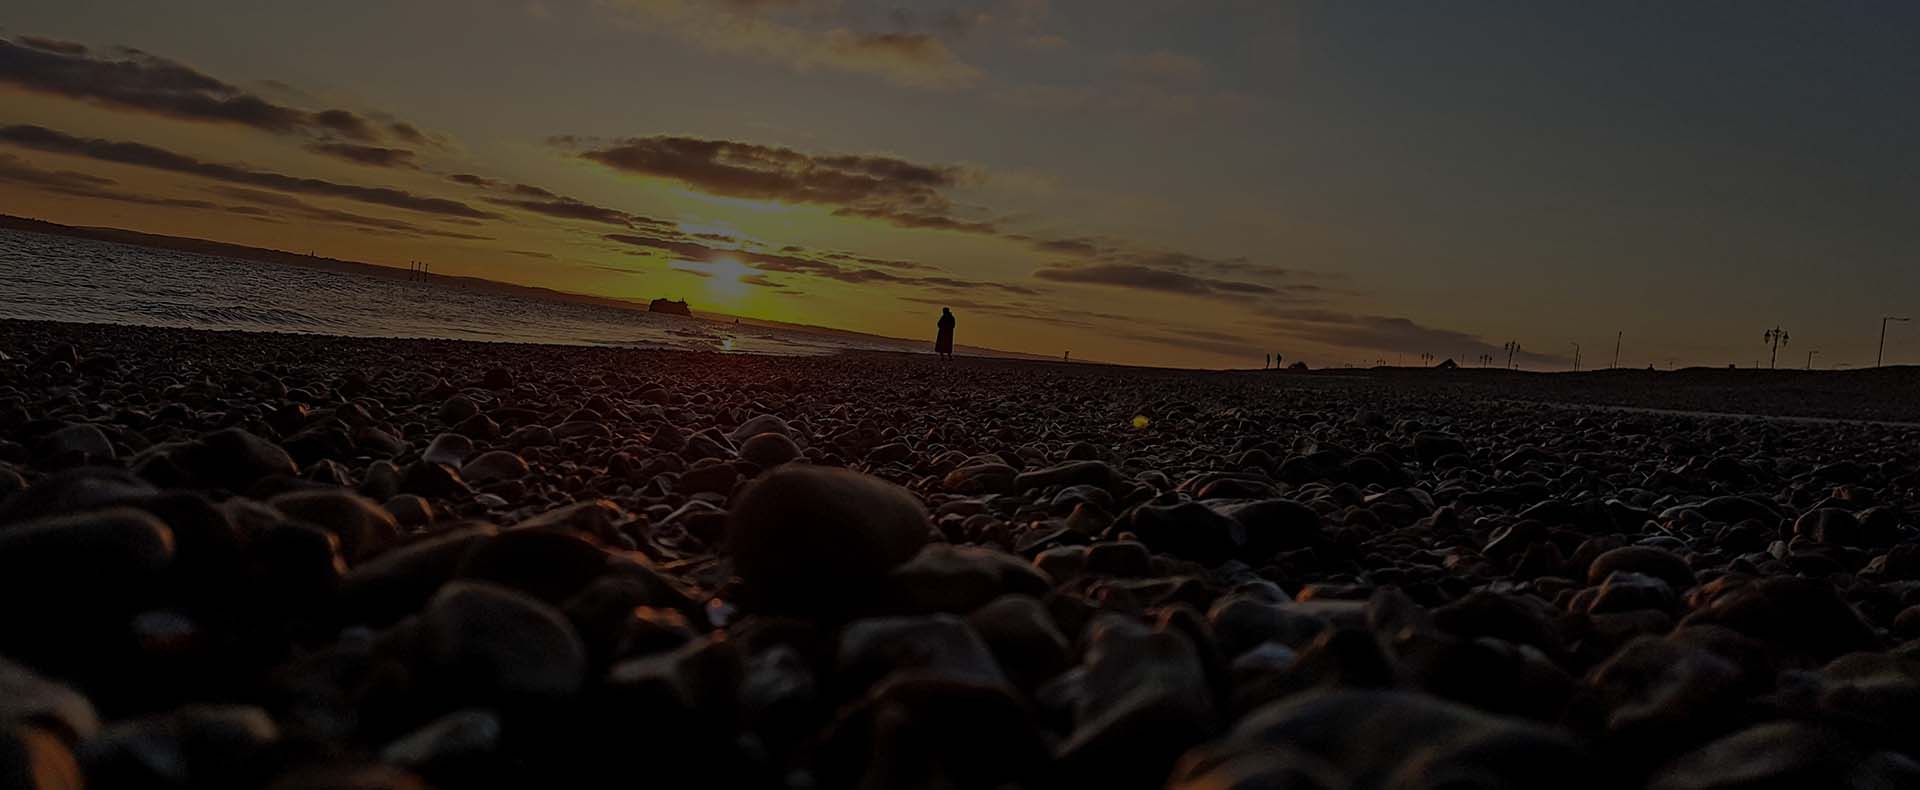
{"x":1882,"y":355}
{"x":1616,"y":347}
{"x":1810,"y":358}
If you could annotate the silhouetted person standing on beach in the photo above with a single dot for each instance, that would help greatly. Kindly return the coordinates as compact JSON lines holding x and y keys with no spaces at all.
{"x":943,"y":345}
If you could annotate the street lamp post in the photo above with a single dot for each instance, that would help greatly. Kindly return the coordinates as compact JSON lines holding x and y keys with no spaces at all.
{"x":1878,"y":357}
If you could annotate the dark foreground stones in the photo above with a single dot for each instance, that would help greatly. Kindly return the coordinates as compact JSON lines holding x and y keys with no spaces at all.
{"x":817,"y":541}
{"x":232,"y":560}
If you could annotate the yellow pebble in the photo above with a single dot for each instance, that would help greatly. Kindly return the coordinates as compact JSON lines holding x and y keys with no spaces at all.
{"x":1139,"y":421}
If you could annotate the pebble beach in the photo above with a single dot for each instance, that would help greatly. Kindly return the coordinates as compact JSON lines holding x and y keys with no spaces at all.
{"x":239,"y":560}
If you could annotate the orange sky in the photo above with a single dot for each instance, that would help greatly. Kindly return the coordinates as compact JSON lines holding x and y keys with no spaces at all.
{"x":1191,"y":184}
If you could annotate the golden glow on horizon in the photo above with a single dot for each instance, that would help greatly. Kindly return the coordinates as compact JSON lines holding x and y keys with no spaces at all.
{"x":726,"y":279}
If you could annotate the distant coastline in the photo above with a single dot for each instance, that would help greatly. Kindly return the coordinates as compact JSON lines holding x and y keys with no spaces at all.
{"x":243,"y":252}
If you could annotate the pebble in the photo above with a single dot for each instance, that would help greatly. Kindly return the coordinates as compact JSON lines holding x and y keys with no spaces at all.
{"x":77,"y":444}
{"x":288,"y":561}
{"x":960,"y":579}
{"x":494,"y":465}
{"x":811,"y":539}
{"x":1141,"y":703}
{"x":937,"y":645}
{"x":496,"y":644}
{"x":768,"y":450}
{"x":365,"y":529}
{"x":449,"y":449}
{"x":231,"y":459}
{"x":27,"y":698}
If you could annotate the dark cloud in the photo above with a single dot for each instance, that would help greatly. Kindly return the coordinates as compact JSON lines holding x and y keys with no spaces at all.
{"x":767,"y":5}
{"x":847,"y":257}
{"x":40,"y":138}
{"x":764,"y":282}
{"x":1126,"y":275}
{"x":914,"y":195}
{"x":304,"y":209}
{"x":885,"y":188}
{"x":613,"y":269}
{"x":371,"y":155}
{"x":141,"y":82}
{"x":14,"y":170}
{"x":1098,"y":250}
{"x":54,"y":45}
{"x":568,"y":209}
{"x":346,"y":124}
{"x":791,"y":260}
{"x":736,"y":169}
{"x":950,"y":283}
{"x":408,"y":133}
{"x":530,"y":254}
{"x":540,"y":200}
{"x":534,"y":191}
{"x":808,"y":35}
{"x":919,"y":219}
{"x":1084,"y":248}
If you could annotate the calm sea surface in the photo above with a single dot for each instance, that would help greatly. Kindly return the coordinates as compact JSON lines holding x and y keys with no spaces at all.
{"x":56,"y":278}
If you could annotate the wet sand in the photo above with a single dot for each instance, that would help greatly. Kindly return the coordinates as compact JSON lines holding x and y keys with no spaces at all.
{"x":250,"y":560}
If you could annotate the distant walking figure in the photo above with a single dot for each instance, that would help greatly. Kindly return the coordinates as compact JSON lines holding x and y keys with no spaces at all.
{"x":943,"y":345}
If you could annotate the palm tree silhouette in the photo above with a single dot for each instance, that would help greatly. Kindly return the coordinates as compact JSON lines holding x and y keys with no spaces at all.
{"x":1512,"y":347}
{"x":1777,"y":337}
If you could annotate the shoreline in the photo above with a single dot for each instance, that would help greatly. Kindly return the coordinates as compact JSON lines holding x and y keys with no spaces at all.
{"x":499,"y":288}
{"x":1888,"y":396}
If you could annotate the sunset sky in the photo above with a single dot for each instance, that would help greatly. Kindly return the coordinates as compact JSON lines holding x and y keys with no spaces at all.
{"x":1180,"y":182}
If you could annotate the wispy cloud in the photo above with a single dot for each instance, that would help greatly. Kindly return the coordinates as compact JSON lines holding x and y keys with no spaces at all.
{"x":792,"y":260}
{"x":14,"y":170}
{"x":876,"y":186}
{"x":1147,"y":278}
{"x":301,"y":208}
{"x":40,"y":138}
{"x":128,"y":79}
{"x":540,"y":200}
{"x":806,"y":36}
{"x":369,"y":155}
